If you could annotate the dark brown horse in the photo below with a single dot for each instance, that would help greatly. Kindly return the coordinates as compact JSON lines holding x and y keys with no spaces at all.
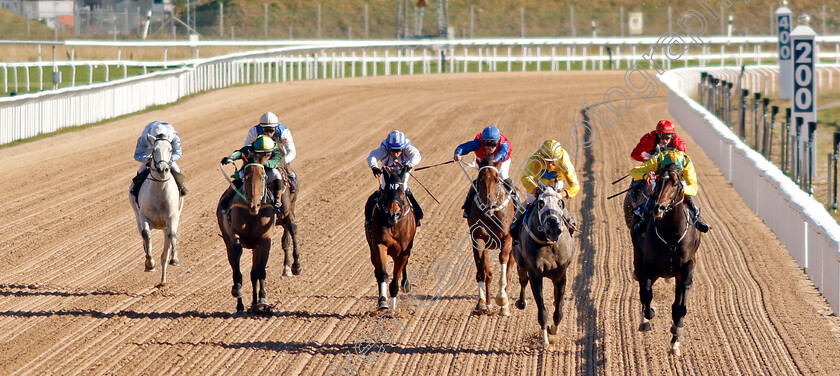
{"x":636,"y":196}
{"x":249,"y":224}
{"x":390,"y":233}
{"x":545,"y":251}
{"x":667,"y":249}
{"x":490,"y":216}
{"x":286,"y":219}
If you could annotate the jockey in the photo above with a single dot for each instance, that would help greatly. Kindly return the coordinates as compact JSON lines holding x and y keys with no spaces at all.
{"x":664,"y":137}
{"x":654,"y":164}
{"x":270,"y":126}
{"x":395,"y":150}
{"x":262,"y":144}
{"x":549,"y":166}
{"x":145,"y":147}
{"x":493,"y":143}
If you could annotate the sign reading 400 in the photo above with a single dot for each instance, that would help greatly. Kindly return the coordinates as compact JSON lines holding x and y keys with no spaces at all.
{"x":783,"y":20}
{"x":803,"y":75}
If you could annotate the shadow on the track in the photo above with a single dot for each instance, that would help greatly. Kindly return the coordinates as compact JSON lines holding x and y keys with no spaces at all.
{"x":295,"y":347}
{"x":32,"y":290}
{"x":172,"y":315}
{"x":587,"y":313}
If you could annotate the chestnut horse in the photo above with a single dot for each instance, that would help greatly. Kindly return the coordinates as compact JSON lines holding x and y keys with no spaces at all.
{"x":667,"y":248}
{"x":490,"y":216}
{"x":249,"y":223}
{"x":390,"y":233}
{"x":286,"y":219}
{"x":545,"y":251}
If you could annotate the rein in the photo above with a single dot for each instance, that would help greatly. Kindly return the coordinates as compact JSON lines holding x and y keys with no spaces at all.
{"x":674,"y":202}
{"x":491,"y":209}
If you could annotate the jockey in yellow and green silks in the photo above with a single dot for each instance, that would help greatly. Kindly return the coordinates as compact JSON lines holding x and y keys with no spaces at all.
{"x":549,"y":166}
{"x":689,"y":180}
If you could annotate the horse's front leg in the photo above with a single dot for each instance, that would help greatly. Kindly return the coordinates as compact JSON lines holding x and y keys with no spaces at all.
{"x":505,"y":262}
{"x":682,"y":284}
{"x":172,"y":230}
{"x":399,"y":271}
{"x":480,"y":274}
{"x":379,"y":259}
{"x":293,"y":231}
{"x":523,"y":283}
{"x":260,"y":261}
{"x":145,"y":228}
{"x":164,"y":255}
{"x":234,"y":255}
{"x":536,"y":288}
{"x":287,"y":250}
{"x":646,"y":296}
{"x":559,"y":292}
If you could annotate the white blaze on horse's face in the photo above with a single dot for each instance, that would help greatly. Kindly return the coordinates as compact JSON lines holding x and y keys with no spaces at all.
{"x":161,"y":158}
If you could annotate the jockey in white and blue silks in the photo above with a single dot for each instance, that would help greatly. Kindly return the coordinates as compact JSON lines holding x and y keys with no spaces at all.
{"x":270,"y":126}
{"x":146,"y":146}
{"x":395,"y":148}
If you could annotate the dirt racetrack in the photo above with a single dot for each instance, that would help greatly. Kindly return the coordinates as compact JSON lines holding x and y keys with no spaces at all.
{"x":74,"y":299}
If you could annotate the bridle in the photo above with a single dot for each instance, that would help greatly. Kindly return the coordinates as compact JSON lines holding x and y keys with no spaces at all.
{"x":156,"y":163}
{"x":380,"y":201}
{"x":542,"y":217}
{"x":671,"y":205}
{"x":490,"y":209}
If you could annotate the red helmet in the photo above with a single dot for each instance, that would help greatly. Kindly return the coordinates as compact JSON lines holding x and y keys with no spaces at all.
{"x":665,"y":126}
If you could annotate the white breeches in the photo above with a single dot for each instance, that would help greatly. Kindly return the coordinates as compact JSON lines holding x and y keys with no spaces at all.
{"x":504,"y":170}
{"x":174,"y":167}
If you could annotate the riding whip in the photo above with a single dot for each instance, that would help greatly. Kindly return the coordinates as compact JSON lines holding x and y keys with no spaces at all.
{"x":624,"y":191}
{"x":622,"y":178}
{"x":224,"y":174}
{"x":434,"y":165}
{"x":424,"y":187}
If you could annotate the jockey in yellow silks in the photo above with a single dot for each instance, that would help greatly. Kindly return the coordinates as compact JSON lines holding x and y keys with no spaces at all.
{"x":549,"y":166}
{"x":689,"y":181}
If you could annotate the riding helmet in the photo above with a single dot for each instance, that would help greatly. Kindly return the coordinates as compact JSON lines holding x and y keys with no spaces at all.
{"x":263,"y":144}
{"x":396,"y":140}
{"x":665,"y":126}
{"x":491,"y":133}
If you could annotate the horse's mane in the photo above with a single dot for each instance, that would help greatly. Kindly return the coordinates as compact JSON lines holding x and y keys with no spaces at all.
{"x":670,"y":167}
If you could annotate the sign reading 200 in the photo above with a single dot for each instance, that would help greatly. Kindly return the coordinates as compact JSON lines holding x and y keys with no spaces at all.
{"x":803,"y":75}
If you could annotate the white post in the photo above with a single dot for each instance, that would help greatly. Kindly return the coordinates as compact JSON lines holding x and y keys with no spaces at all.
{"x":804,"y":94}
{"x":509,"y":58}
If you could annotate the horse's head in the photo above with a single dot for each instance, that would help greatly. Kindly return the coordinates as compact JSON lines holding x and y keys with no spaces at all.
{"x":668,"y":191}
{"x":392,"y":199}
{"x":489,"y":181}
{"x":161,"y":162}
{"x":254,"y":179}
{"x":549,"y":209}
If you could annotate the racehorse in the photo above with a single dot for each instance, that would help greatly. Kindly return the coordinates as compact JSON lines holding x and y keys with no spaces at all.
{"x":667,"y":249}
{"x":490,"y":216}
{"x":635,"y":197}
{"x":158,"y":206}
{"x":544,"y":251}
{"x":391,"y":233}
{"x":249,"y":223}
{"x":286,"y":219}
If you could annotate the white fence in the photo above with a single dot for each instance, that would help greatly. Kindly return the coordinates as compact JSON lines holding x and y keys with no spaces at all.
{"x":799,"y":221}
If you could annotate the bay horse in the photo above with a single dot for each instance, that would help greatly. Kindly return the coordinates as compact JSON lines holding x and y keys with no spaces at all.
{"x":491,"y":213}
{"x":545,"y":250}
{"x":667,"y":249}
{"x":286,"y":219}
{"x":158,"y":206}
{"x":636,"y":197}
{"x":249,"y":223}
{"x":390,"y":233}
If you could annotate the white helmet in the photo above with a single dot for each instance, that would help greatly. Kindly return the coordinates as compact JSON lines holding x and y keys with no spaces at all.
{"x":269,"y":119}
{"x":159,"y":129}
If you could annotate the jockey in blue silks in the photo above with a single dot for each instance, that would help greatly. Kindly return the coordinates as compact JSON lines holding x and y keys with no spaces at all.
{"x":395,"y":149}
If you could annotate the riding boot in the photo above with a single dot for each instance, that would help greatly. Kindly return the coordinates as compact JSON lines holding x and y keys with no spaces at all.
{"x":514,"y":195}
{"x":179,"y":179}
{"x":418,"y":211}
{"x":292,"y":179}
{"x":371,"y":202}
{"x":695,"y":214}
{"x":225,"y":201}
{"x":278,"y":194}
{"x":468,"y":202}
{"x":136,"y":182}
{"x":518,"y":222}
{"x":642,"y":212}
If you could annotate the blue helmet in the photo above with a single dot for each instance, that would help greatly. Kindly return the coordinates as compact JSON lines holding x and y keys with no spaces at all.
{"x":491,"y":133}
{"x":396,"y":140}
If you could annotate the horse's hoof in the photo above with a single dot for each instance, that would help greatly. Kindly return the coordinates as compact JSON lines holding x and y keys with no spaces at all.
{"x":645,"y":327}
{"x":521,"y":304}
{"x":552,"y":329}
{"x":287,"y":271}
{"x":545,"y":337}
{"x":652,"y":313}
{"x":383,"y":304}
{"x":296,"y":269}
{"x":236,"y":291}
{"x":161,"y":285}
{"x":675,"y":349}
{"x":481,"y":307}
{"x":240,"y":308}
{"x":501,"y":301}
{"x":504,"y":311}
{"x":148,"y":270}
{"x":175,"y":262}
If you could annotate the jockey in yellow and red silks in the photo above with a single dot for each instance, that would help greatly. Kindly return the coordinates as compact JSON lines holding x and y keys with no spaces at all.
{"x":689,"y":180}
{"x":549,"y":166}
